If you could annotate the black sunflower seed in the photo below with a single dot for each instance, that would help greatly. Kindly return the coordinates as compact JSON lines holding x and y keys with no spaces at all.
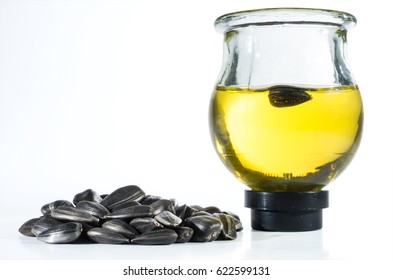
{"x":228,"y":226}
{"x":43,"y":224}
{"x":156,"y":237}
{"x":146,"y":224}
{"x":47,"y":208}
{"x":121,"y":227}
{"x":26,"y":228}
{"x":63,"y":233}
{"x":87,"y":195}
{"x":92,"y":208}
{"x":72,"y":214}
{"x":162,"y":205}
{"x":168,"y":219}
{"x":184,"y":234}
{"x":287,"y":96}
{"x":123,"y":195}
{"x":106,"y":236}
{"x":206,"y":228}
{"x":136,"y":211}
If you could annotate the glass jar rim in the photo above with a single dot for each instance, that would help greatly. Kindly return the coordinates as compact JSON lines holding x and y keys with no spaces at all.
{"x":281,"y":16}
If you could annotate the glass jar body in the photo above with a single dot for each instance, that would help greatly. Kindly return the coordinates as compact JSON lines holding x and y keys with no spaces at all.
{"x":286,"y":114}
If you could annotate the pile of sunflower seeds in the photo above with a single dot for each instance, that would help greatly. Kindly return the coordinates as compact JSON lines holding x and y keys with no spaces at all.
{"x":129,"y":216}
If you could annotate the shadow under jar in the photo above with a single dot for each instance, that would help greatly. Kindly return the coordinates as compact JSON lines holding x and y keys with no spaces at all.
{"x":286,"y":114}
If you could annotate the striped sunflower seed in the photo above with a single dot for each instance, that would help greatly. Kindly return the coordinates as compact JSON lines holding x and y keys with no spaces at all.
{"x":43,"y":224}
{"x":146,"y":224}
{"x":168,"y":219}
{"x":26,"y":228}
{"x":136,"y":211}
{"x":106,"y":236}
{"x":123,"y":195}
{"x":72,"y":214}
{"x":92,"y":208}
{"x":206,"y":228}
{"x":47,"y":208}
{"x":63,"y":233}
{"x":121,"y":227}
{"x":156,"y":237}
{"x":87,"y":195}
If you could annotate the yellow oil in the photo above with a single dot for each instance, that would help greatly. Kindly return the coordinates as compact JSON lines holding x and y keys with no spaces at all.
{"x":286,"y":138}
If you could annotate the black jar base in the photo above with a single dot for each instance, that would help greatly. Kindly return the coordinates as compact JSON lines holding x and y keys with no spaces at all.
{"x":286,"y":211}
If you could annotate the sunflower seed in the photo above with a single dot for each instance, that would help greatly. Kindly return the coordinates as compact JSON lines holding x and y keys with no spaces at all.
{"x":156,"y":237}
{"x":287,"y":96}
{"x":149,"y":199}
{"x":125,"y":205}
{"x":168,"y":219}
{"x":87,"y":195}
{"x":238,"y":223}
{"x":180,"y":211}
{"x":189,"y":211}
{"x":137,"y":211}
{"x":145,"y":224}
{"x":206,"y":228}
{"x":72,"y":214}
{"x":121,"y":227}
{"x":228,"y":226}
{"x":47,"y":208}
{"x":106,"y":236}
{"x":26,"y":228}
{"x":64,"y":233}
{"x":44,"y":224}
{"x":123,"y":195}
{"x":92,"y":208}
{"x":184,"y":234}
{"x":162,"y":205}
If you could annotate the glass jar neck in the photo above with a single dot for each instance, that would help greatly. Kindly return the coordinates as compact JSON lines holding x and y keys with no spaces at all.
{"x":296,"y":46}
{"x":297,"y":54}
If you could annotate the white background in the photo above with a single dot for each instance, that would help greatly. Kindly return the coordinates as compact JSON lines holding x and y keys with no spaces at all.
{"x":101,"y":94}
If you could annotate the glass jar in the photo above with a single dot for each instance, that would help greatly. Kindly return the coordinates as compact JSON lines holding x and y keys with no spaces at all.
{"x":286,"y":114}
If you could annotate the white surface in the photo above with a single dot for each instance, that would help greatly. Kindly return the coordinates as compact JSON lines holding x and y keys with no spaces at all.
{"x":101,"y":94}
